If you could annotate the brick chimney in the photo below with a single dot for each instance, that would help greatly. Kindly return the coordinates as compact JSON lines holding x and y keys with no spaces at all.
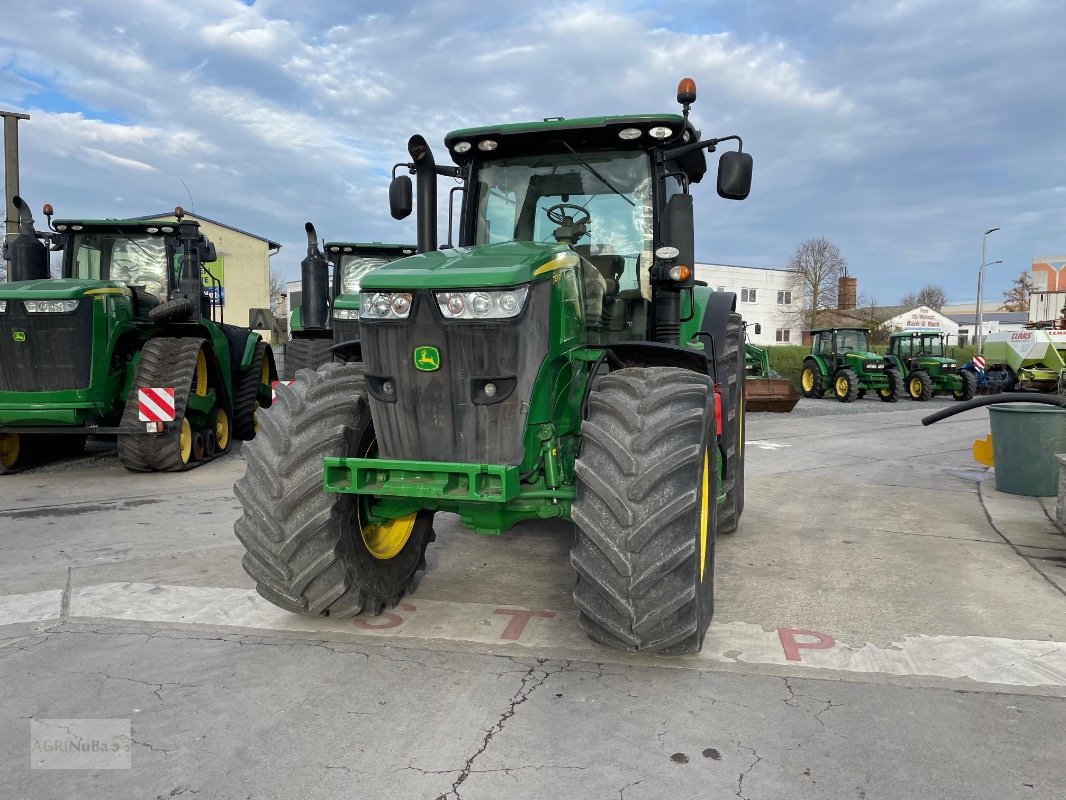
{"x":847,"y":289}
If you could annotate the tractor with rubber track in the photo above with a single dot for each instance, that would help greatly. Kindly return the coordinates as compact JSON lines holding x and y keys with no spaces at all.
{"x":561,"y":362}
{"x":919,"y":356}
{"x":124,"y":343}
{"x":841,"y":362}
{"x":328,"y":311}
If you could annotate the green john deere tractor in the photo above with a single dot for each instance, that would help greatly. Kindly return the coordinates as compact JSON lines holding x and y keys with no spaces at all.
{"x":560,"y":362}
{"x":841,"y":362}
{"x":328,"y":311}
{"x":129,"y":313}
{"x":919,"y":355}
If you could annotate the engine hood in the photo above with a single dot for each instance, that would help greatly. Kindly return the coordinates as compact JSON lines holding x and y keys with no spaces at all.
{"x":59,"y":289}
{"x":492,"y":265}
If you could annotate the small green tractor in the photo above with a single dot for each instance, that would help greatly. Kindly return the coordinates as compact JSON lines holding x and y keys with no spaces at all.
{"x":919,"y":356}
{"x":561,"y":362}
{"x":841,"y":361}
{"x":125,"y":343}
{"x":328,"y":311}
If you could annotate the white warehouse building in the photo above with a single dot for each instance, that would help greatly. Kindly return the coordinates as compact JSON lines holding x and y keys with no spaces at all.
{"x":766,"y":296}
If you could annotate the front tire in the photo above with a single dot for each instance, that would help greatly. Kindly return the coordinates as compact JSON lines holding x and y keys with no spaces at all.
{"x":895,"y":387}
{"x":969,"y":386}
{"x":645,"y":511}
{"x":308,"y":551}
{"x":846,"y":386}
{"x":920,"y":386}
{"x":811,"y":380}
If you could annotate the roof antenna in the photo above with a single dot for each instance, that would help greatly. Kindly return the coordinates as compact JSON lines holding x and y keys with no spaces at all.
{"x":192,"y":203}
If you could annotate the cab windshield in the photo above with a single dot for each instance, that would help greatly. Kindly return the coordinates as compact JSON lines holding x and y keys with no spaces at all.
{"x":852,"y":340}
{"x":138,"y":260}
{"x":932,"y":346}
{"x":613,"y":190}
{"x":354,"y":267}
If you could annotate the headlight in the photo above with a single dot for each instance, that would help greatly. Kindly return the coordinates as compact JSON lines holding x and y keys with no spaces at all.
{"x":50,"y":306}
{"x":346,"y":313}
{"x":384,"y":305}
{"x":874,"y":365}
{"x":483,"y":304}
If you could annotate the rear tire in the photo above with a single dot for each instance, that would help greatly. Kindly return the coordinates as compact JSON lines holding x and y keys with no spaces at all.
{"x":306,"y":550}
{"x":846,"y":386}
{"x":969,"y":386}
{"x":645,"y":511}
{"x":306,"y":354}
{"x":920,"y":386}
{"x":812,"y":382}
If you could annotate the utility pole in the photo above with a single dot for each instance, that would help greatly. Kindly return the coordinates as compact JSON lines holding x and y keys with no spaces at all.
{"x":11,"y":169}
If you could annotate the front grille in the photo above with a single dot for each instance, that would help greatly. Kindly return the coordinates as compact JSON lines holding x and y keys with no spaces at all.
{"x":435,"y":417}
{"x":56,"y":351}
{"x":345,"y":330}
{"x":949,"y":370}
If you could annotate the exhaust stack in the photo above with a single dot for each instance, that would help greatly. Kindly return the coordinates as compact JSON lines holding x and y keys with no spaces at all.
{"x":27,"y":253}
{"x":426,"y":173}
{"x":314,"y":284}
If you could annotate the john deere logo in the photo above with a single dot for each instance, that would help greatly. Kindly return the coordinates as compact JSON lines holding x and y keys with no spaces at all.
{"x":18,"y":336}
{"x":427,"y":358}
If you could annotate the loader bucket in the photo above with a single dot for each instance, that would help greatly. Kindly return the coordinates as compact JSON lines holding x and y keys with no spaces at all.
{"x":769,"y":394}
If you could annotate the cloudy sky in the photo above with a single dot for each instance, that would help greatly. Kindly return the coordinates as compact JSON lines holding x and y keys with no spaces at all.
{"x":901,"y":130}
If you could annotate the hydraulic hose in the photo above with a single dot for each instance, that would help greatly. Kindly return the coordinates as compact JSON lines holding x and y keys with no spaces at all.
{"x":995,"y":399}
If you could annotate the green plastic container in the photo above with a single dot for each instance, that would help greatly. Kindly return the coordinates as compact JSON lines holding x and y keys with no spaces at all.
{"x":1025,"y":439}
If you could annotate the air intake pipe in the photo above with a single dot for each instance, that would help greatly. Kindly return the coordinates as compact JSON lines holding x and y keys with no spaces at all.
{"x":28,"y":255}
{"x":314,"y":284}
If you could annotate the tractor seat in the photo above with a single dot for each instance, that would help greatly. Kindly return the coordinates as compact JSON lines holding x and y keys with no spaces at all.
{"x":610,"y":267}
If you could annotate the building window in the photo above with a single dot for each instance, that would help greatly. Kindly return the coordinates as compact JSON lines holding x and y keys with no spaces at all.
{"x":783,"y":335}
{"x":784,"y":298}
{"x":747,"y":295}
{"x":720,"y":289}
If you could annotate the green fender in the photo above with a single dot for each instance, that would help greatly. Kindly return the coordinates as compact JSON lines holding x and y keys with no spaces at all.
{"x":819,"y":361}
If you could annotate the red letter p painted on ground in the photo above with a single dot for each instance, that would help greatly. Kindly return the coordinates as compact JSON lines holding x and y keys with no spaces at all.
{"x":791,"y":645}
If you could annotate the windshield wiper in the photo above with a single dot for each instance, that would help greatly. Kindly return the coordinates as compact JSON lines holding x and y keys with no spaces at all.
{"x":587,"y":166}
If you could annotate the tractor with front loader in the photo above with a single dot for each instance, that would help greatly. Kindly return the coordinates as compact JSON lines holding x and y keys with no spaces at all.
{"x":328,"y":312}
{"x":841,"y":361}
{"x":919,"y":356}
{"x":129,"y":313}
{"x":560,"y":362}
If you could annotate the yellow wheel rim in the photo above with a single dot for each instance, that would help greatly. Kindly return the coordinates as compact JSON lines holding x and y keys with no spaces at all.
{"x":916,"y":388}
{"x":387,"y":539}
{"x":185,"y":441}
{"x":9,"y":450}
{"x":199,"y":378}
{"x":808,"y":379}
{"x":705,"y":509}
{"x":221,"y":429}
{"x":842,"y":387}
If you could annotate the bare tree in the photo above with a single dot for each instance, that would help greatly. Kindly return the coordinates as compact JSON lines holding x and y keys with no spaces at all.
{"x":1016,"y":298}
{"x":277,"y":291}
{"x":930,"y":295}
{"x":818,"y":265}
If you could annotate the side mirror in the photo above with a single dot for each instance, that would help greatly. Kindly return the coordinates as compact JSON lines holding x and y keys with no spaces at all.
{"x":207,"y":252}
{"x":758,"y":328}
{"x":734,"y":175}
{"x":401,"y":197}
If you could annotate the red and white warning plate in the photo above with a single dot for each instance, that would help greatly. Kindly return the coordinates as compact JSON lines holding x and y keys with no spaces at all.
{"x":979,"y":362}
{"x":156,"y":405}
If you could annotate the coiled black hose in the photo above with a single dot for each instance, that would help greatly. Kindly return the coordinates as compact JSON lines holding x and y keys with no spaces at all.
{"x":995,"y":399}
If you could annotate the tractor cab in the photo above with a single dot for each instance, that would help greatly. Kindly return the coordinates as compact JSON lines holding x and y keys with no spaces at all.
{"x":155,"y":261}
{"x":914,"y":348}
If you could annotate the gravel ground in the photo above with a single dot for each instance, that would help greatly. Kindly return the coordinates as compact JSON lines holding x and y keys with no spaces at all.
{"x":99,"y":454}
{"x":829,"y":406}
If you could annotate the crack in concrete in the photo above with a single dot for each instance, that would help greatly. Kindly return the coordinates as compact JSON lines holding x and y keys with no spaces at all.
{"x":622,"y":791}
{"x":794,"y":696}
{"x":159,"y":685}
{"x":165,"y":751}
{"x":745,"y":773}
{"x":533,"y":679}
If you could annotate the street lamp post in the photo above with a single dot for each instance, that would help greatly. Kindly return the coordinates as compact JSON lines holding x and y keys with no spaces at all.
{"x":980,"y":287}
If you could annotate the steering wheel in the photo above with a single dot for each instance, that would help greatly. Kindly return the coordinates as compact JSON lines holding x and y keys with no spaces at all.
{"x":555,"y":214}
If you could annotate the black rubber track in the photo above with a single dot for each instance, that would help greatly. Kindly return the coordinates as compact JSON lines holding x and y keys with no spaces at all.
{"x":165,"y":362}
{"x":302,"y":545}
{"x":306,"y":354}
{"x":638,"y":509}
{"x":731,"y":378}
{"x":246,"y":389}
